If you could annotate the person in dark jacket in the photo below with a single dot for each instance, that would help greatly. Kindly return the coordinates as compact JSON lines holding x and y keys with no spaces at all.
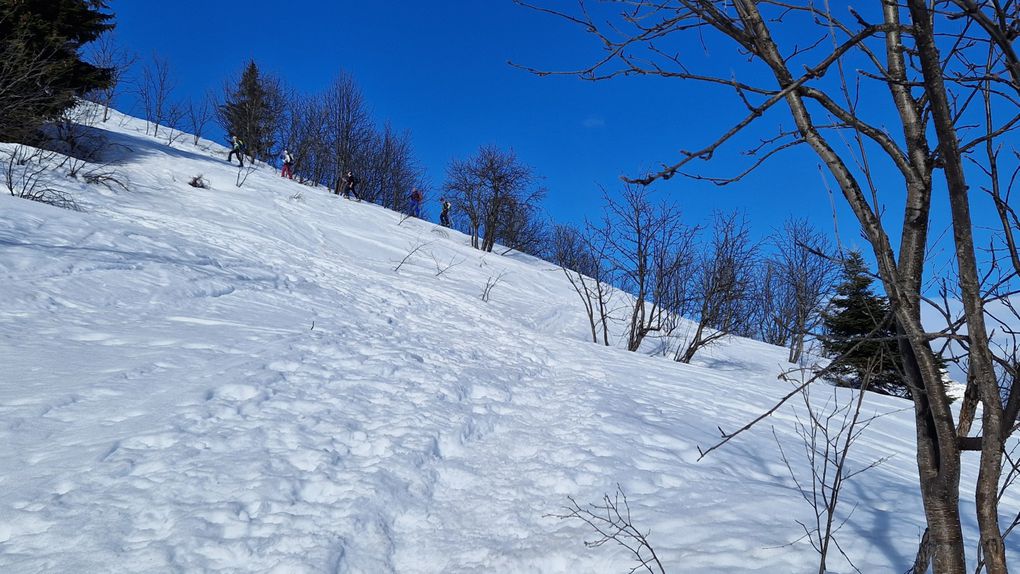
{"x":237,"y":147}
{"x":444,"y":216}
{"x":351,"y":182}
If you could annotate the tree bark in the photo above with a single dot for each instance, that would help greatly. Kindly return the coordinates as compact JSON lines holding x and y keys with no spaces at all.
{"x":981,"y":364}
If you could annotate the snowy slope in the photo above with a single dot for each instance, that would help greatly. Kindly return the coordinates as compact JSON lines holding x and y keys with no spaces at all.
{"x":237,"y":380}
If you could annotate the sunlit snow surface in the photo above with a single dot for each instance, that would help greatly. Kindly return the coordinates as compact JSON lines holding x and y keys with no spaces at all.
{"x":237,"y":380}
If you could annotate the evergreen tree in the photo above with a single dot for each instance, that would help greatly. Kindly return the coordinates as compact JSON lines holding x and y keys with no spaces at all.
{"x":857,"y":324}
{"x":253,"y":111}
{"x":41,"y":70}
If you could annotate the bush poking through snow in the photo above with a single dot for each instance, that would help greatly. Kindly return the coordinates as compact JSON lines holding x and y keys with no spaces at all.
{"x":414,"y":249}
{"x":612,"y":521}
{"x":199,"y":182}
{"x":26,"y":175}
{"x":489,"y":284}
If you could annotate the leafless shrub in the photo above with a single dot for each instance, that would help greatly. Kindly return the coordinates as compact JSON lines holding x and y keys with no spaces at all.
{"x":83,"y":148}
{"x":612,"y":522}
{"x":103,"y":175}
{"x":443,"y":266}
{"x":243,"y":171}
{"x":75,"y":137}
{"x":490,"y":283}
{"x":415,"y":248}
{"x":26,"y":175}
{"x":827,"y":434}
{"x":199,"y":182}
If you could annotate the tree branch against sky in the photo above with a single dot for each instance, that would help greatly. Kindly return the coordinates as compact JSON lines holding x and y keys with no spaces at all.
{"x":843,"y":80}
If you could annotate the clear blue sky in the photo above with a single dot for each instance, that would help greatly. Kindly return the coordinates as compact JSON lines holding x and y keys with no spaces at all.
{"x":440,"y":70}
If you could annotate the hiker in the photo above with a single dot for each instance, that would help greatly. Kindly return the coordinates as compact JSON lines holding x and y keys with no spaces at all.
{"x":444,"y":217}
{"x":237,"y":147}
{"x":288,"y":165}
{"x":351,"y":185}
{"x":416,"y":198}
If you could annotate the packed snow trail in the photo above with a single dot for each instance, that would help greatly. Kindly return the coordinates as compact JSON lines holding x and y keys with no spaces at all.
{"x":237,"y":380}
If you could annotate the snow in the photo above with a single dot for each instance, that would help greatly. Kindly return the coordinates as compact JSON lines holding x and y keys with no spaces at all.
{"x":237,"y":380}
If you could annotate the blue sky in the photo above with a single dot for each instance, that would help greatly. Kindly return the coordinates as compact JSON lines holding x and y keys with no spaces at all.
{"x":440,"y":70}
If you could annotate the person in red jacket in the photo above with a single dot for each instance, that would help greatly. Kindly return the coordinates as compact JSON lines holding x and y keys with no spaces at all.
{"x":416,"y":198}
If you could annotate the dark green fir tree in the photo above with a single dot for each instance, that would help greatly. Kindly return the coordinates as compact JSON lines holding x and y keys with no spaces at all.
{"x":41,"y":69}
{"x":857,"y":327}
{"x":252,"y":111}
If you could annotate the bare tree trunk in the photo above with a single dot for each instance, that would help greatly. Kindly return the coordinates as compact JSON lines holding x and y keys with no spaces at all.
{"x":980,"y":354}
{"x":938,"y":456}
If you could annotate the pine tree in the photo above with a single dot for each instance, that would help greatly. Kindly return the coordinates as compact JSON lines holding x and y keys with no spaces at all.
{"x":857,"y":325}
{"x":253,"y":111}
{"x":41,"y":70}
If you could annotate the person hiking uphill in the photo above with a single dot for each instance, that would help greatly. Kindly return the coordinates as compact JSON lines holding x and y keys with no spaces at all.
{"x":351,"y":185}
{"x":416,"y":198}
{"x":444,"y":216}
{"x":288,"y":165}
{"x":237,"y":147}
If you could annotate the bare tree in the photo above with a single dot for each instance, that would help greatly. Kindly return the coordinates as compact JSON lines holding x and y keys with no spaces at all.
{"x":156,"y":95}
{"x":106,"y":53}
{"x":303,"y":133}
{"x":348,"y":130}
{"x":929,"y":66}
{"x":724,"y":285}
{"x":648,"y":245}
{"x":525,"y":229}
{"x":496,"y":195}
{"x":200,"y":113}
{"x":775,"y":305}
{"x":796,"y":283}
{"x":396,"y":171}
{"x":583,"y":258}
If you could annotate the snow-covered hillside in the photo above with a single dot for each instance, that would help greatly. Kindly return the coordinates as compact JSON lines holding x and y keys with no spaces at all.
{"x":237,"y":380}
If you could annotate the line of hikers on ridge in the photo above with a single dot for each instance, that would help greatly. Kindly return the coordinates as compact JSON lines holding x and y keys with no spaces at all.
{"x":348,"y":182}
